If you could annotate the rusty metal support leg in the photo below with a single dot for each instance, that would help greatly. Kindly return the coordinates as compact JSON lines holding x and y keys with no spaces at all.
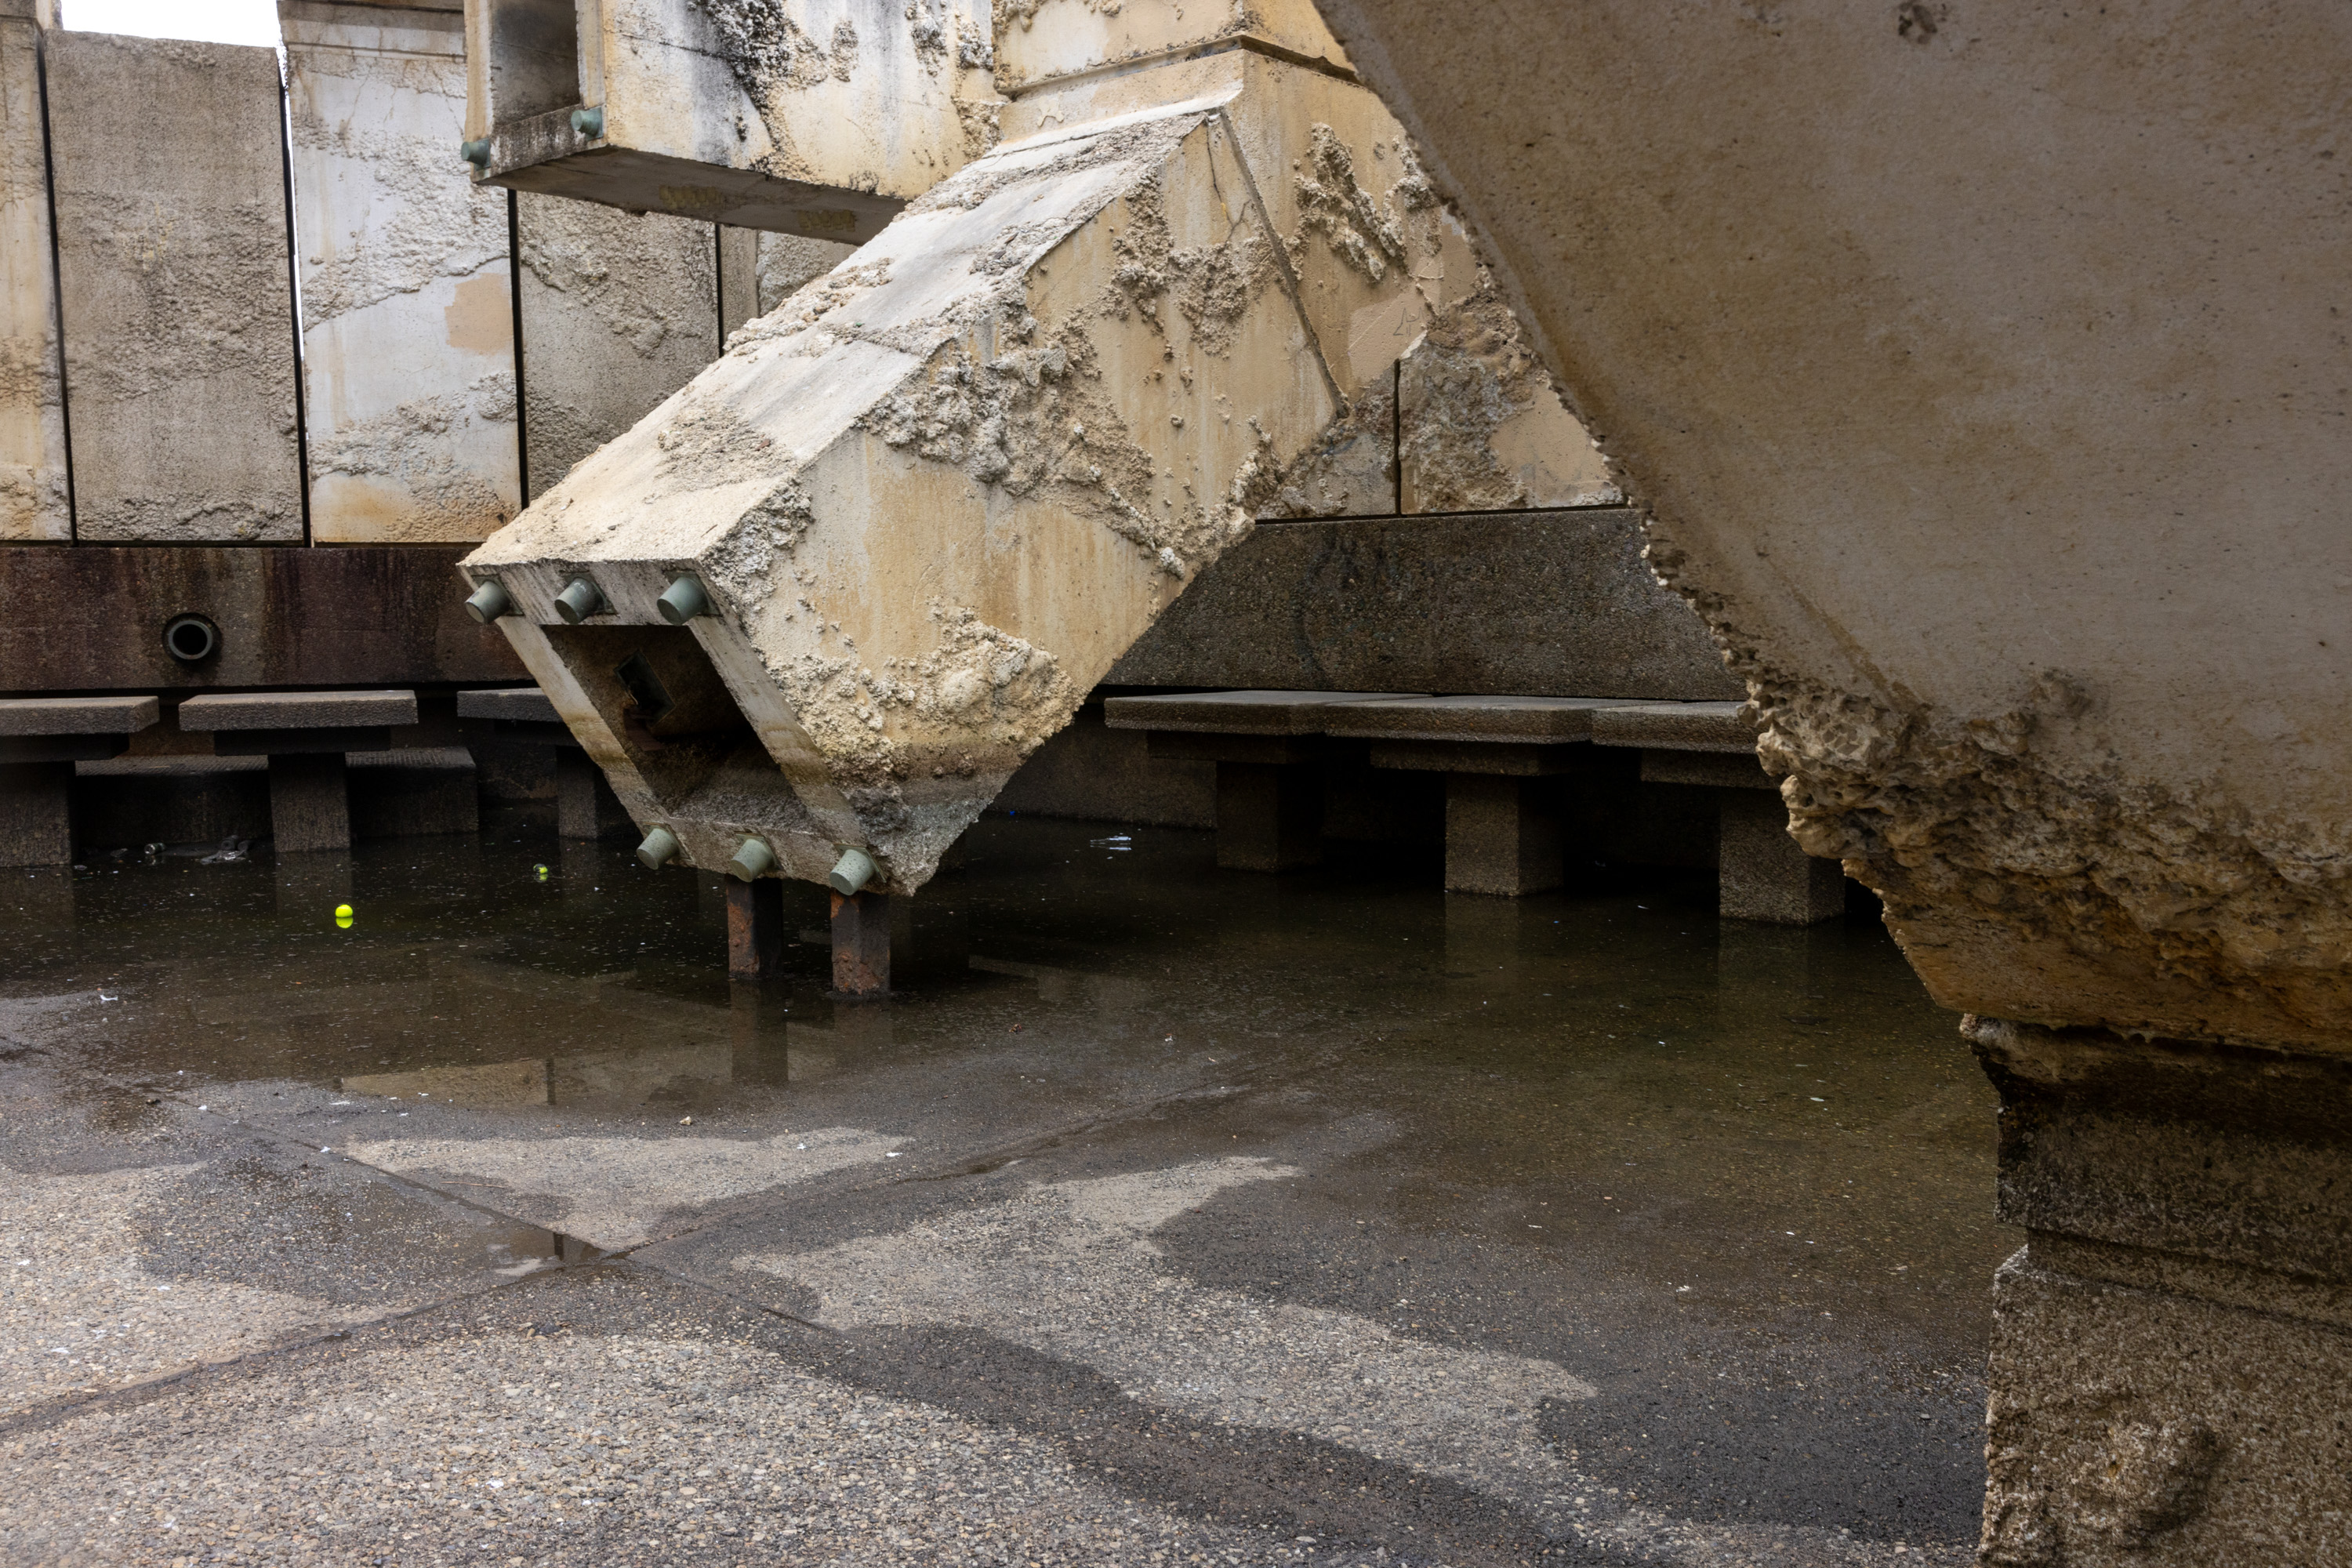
{"x":861,"y":946}
{"x":755,"y":928}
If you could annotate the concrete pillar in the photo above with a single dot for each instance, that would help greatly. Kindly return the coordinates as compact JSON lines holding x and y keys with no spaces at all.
{"x":585,"y":806}
{"x":619,"y":310}
{"x":2171,"y":1346}
{"x":309,"y":802}
{"x":33,"y":490}
{"x":1762,"y":873}
{"x":408,"y":293}
{"x":36,"y":814}
{"x":1269,"y":815}
{"x":861,"y":946}
{"x":755,"y":928}
{"x":1500,"y":836}
{"x":177,"y":297}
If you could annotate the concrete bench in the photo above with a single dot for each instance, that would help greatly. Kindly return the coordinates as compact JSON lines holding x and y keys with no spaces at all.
{"x":41,"y":738}
{"x":585,"y":806}
{"x":305,"y":735}
{"x":1266,"y":745}
{"x":1503,"y":835}
{"x":1761,"y":874}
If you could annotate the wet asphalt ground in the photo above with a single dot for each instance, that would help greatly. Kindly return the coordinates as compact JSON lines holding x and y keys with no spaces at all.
{"x":1167,"y":1216}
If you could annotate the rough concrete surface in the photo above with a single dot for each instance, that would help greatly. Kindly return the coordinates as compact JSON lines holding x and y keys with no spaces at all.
{"x":296,"y":710}
{"x":408,"y":302}
{"x":619,"y":311}
{"x":1881,"y":434}
{"x":1552,"y":604}
{"x":1041,"y":41}
{"x":34,"y":504}
{"x":178,"y":305}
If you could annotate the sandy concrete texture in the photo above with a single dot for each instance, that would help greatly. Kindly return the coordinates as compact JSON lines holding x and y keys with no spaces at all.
{"x":937,"y":495}
{"x":407,"y":303}
{"x":619,"y":311}
{"x":1040,"y":41}
{"x":818,"y":118}
{"x":1543,"y":604}
{"x":1927,"y":461}
{"x":33,"y":493}
{"x":178,"y":302}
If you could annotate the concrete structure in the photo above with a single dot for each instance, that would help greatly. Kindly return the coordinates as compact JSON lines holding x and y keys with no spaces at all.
{"x":33,"y":500}
{"x":177,"y":300}
{"x":305,"y":735}
{"x":407,"y":297}
{"x":618,"y":312}
{"x":40,"y":740}
{"x":933,"y":503}
{"x":1914,"y":332}
{"x":820,"y":118}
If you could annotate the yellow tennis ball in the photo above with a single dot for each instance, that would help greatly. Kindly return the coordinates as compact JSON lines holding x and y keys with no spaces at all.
{"x":342,"y":911}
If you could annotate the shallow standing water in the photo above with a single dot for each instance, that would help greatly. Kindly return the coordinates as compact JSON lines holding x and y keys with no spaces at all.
{"x":1736,"y":1179}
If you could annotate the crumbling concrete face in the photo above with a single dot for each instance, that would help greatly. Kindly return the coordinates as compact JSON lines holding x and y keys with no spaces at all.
{"x":819,"y":118}
{"x":934,"y":497}
{"x":177,"y":301}
{"x":619,"y":311}
{"x":33,"y":493}
{"x":407,"y":304}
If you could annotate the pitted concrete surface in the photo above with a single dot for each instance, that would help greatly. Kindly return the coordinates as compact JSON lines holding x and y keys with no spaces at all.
{"x":1190,"y":1218}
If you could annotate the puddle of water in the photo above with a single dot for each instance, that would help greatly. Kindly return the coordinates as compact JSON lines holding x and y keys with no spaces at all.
{"x":1721,"y":1107}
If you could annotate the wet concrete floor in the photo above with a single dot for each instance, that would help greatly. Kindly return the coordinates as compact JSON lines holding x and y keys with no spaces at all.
{"x":1167,"y":1215}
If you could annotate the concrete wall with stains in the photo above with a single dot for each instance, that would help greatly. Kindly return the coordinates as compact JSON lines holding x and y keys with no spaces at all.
{"x":177,"y":297}
{"x":33,"y":494}
{"x":619,"y":311}
{"x":407,"y":303}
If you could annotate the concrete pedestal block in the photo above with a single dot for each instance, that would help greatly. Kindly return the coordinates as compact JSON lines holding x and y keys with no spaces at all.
{"x":36,"y":814}
{"x":411,"y":792}
{"x":1269,"y":816}
{"x":1764,"y":875}
{"x":310,"y":803}
{"x":585,"y":806}
{"x":755,"y":928}
{"x":1500,"y":837}
{"x":861,"y":946}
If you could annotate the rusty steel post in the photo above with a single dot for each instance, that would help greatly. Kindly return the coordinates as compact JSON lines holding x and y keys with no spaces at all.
{"x":861,"y":946}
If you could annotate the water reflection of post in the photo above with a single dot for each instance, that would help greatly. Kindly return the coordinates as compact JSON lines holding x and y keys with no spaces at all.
{"x":37,"y":899}
{"x":312,"y":883}
{"x":757,"y":1014}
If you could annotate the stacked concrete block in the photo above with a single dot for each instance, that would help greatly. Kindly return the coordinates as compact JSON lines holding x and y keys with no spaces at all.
{"x":408,"y":302}
{"x":812,"y":117}
{"x":177,"y":299}
{"x":34,"y":498}
{"x":619,"y":311}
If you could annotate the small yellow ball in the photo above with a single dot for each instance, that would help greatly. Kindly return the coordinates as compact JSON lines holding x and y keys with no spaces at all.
{"x":342,"y":911}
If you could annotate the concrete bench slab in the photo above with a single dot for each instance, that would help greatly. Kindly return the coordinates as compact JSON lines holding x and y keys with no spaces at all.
{"x":1677,"y":726}
{"x":298,"y":710}
{"x":77,"y":715}
{"x":513,"y":704}
{"x":1508,"y":721}
{"x":1235,"y":712}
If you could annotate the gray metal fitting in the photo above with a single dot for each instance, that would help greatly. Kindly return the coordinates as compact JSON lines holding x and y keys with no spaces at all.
{"x":487,"y":603}
{"x":852,"y":872}
{"x":658,"y":850}
{"x":580,"y":599}
{"x":588,"y":122}
{"x":476,"y":151}
{"x":752,"y":861}
{"x":682,"y":600}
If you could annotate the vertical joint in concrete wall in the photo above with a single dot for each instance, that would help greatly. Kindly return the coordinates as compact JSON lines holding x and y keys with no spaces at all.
{"x":294,"y":292}
{"x":861,"y":946}
{"x":1269,"y":815}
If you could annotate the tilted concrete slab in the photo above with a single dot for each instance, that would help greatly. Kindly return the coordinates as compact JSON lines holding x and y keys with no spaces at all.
{"x":407,"y":301}
{"x":812,"y":117}
{"x":33,"y":490}
{"x":937,"y":495}
{"x":179,"y":312}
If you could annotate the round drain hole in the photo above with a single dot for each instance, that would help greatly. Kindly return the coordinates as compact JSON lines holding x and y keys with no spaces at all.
{"x":190,"y":639}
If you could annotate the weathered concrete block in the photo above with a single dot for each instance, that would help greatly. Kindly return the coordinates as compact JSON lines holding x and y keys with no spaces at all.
{"x":585,"y":806}
{"x":407,"y":294}
{"x":931,"y":503}
{"x":1479,"y":425}
{"x":310,"y":805}
{"x":33,"y":490}
{"x":815,"y":117}
{"x":298,"y":710}
{"x":619,"y":311}
{"x":1269,"y":816}
{"x":1038,"y":41}
{"x":178,"y":305}
{"x":1556,"y":603}
{"x":1762,"y":874}
{"x":1502,"y":836}
{"x":36,"y":814}
{"x":412,"y":791}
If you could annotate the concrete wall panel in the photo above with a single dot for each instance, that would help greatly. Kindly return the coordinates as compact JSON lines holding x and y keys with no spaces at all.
{"x":32,"y":492}
{"x":618,"y":312}
{"x":178,"y":305}
{"x":407,"y":303}
{"x":1551,"y":604}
